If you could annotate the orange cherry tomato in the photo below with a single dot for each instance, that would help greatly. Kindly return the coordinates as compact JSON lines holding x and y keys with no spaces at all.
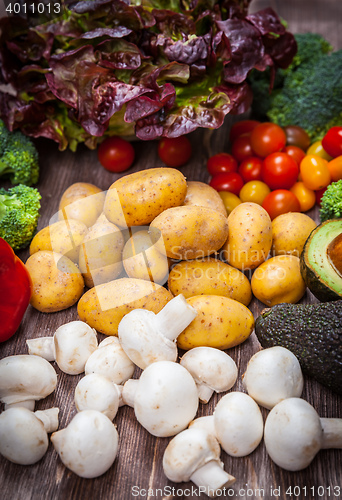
{"x":315,"y":172}
{"x":254,"y":191}
{"x":306,"y":196}
{"x":335,"y":168}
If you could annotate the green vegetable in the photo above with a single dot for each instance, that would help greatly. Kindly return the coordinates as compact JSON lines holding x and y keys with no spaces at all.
{"x":19,"y":213}
{"x":18,"y":157}
{"x":331,"y":202}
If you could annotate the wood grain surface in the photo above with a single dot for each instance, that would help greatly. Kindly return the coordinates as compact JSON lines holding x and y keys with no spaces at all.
{"x":137,"y":471}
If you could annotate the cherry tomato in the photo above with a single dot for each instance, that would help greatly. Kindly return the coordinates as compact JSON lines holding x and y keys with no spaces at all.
{"x":315,"y":172}
{"x":279,"y":171}
{"x":222,"y":162}
{"x":175,"y":151}
{"x":115,"y":154}
{"x":295,"y":152}
{"x":319,"y":193}
{"x":332,"y":142}
{"x":306,"y":196}
{"x":280,"y":202}
{"x":335,"y":168}
{"x":227,"y":181}
{"x":230,"y":200}
{"x":254,"y":191}
{"x":241,"y":147}
{"x":267,"y":138}
{"x":250,"y":169}
{"x":316,"y":148}
{"x":242,"y":127}
{"x":297,"y":136}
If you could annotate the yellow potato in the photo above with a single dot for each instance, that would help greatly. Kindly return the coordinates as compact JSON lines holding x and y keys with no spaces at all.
{"x":221,"y":322}
{"x":83,"y":202}
{"x":103,"y":306}
{"x":62,"y":237}
{"x":57,"y":281}
{"x":136,"y":199}
{"x":250,"y":236}
{"x":278,"y":280}
{"x":290,"y":232}
{"x":203,"y":195}
{"x":191,"y":232}
{"x":209,"y":277}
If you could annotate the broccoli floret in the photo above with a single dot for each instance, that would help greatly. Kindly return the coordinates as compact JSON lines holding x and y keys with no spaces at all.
{"x":19,"y":213}
{"x":18,"y":157}
{"x":310,"y":48}
{"x":331,"y":202}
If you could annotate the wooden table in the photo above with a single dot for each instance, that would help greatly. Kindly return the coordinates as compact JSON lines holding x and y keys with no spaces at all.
{"x":137,"y":471}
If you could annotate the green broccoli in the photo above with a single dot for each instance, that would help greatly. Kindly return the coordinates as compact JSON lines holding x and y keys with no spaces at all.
{"x":19,"y":213}
{"x":331,"y":202}
{"x":18,"y":157}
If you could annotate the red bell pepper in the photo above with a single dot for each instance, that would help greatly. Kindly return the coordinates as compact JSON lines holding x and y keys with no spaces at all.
{"x":15,"y":291}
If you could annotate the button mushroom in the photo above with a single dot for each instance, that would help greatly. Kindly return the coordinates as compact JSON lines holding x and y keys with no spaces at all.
{"x":25,"y":379}
{"x":88,"y":445}
{"x":194,"y":455}
{"x":272,"y":375}
{"x":70,"y":346}
{"x":147,"y":337}
{"x":23,"y":434}
{"x":212,"y":369}
{"x":164,"y":398}
{"x":294,"y":434}
{"x":96,"y":392}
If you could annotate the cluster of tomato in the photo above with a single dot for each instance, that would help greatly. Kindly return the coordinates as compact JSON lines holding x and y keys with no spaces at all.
{"x":276,"y":167}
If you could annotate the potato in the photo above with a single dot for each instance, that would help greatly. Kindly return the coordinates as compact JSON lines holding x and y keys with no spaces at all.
{"x":62,"y":237}
{"x":290,"y":232}
{"x":103,"y":306}
{"x":221,"y":322}
{"x":83,"y":202}
{"x":57,"y":281}
{"x":138,"y":198}
{"x":203,"y":195}
{"x":100,"y":255}
{"x":190,"y":232}
{"x":250,"y":236}
{"x":278,"y":280}
{"x":209,"y":277}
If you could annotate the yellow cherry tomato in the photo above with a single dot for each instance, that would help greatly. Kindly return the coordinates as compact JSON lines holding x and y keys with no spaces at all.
{"x":254,"y":191}
{"x":316,"y":148}
{"x":335,"y":168}
{"x":230,"y":200}
{"x":315,"y":172}
{"x":306,"y":196}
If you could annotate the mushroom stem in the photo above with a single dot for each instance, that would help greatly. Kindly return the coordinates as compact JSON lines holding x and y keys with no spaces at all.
{"x":175,"y":316}
{"x":49,"y":418}
{"x":211,"y":478}
{"x":332,"y":432}
{"x":29,"y":404}
{"x":43,"y":347}
{"x":128,"y":392}
{"x":204,"y":392}
{"x":120,"y":391}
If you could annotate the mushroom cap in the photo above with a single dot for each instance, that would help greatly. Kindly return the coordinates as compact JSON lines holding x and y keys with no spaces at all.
{"x":88,"y":445}
{"x":238,"y":424}
{"x":187,"y":452}
{"x":24,"y":377}
{"x":206,"y":423}
{"x":111,"y":361}
{"x":23,"y":439}
{"x":293,"y":434}
{"x":211,"y":367}
{"x":166,"y":398}
{"x":96,"y":392}
{"x":272,"y":375}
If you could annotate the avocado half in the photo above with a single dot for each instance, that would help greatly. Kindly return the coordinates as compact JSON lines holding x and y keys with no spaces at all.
{"x":321,"y":261}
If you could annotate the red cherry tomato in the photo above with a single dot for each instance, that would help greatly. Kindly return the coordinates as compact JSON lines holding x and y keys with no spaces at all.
{"x":332,"y":141}
{"x":227,"y":181}
{"x":279,"y":171}
{"x":115,"y":154}
{"x":250,"y":169}
{"x":267,"y":138}
{"x":280,"y":202}
{"x":295,"y":152}
{"x":319,"y":193}
{"x":174,"y":152}
{"x":242,"y":127}
{"x":241,"y":147}
{"x":222,"y":162}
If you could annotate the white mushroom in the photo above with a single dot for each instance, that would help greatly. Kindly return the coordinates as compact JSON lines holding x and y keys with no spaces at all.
{"x":88,"y":445}
{"x":96,"y":392}
{"x":164,"y":398}
{"x":25,"y":379}
{"x":111,"y":361}
{"x":212,"y":369}
{"x":147,"y":337}
{"x":272,"y":375}
{"x":194,"y":455}
{"x":70,"y":346}
{"x":23,"y":435}
{"x":294,"y":434}
{"x":206,"y":423}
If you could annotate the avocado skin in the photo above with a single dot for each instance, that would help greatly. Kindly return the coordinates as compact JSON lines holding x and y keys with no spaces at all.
{"x":312,"y":332}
